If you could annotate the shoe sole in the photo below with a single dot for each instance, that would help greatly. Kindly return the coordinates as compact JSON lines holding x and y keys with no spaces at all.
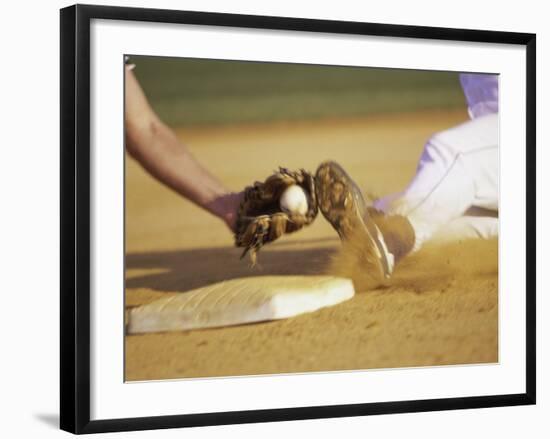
{"x":334,"y":190}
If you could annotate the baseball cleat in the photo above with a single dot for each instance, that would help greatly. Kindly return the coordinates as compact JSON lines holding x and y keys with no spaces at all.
{"x":342,"y":203}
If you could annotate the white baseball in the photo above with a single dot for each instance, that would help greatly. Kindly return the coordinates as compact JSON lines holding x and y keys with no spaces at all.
{"x":294,"y":200}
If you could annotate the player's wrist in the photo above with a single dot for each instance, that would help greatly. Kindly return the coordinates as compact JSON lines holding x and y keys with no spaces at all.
{"x":225,"y":207}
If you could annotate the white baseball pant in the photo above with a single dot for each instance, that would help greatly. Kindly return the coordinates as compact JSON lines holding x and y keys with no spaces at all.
{"x":454,"y":193}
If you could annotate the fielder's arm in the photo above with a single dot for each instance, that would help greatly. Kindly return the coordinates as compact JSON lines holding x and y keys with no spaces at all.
{"x":155,"y":146}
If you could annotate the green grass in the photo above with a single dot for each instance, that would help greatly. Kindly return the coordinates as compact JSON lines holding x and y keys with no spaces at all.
{"x":188,"y":92}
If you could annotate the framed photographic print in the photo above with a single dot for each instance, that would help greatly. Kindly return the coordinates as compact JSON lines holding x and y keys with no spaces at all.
{"x":274,"y":218}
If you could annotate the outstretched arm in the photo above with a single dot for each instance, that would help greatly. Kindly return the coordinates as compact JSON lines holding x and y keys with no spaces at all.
{"x":155,"y":146}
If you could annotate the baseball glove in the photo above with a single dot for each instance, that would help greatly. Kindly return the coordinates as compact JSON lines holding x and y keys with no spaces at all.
{"x":260,"y":219}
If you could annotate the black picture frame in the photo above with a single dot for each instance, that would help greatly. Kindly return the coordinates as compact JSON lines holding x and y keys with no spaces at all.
{"x":75,"y":218}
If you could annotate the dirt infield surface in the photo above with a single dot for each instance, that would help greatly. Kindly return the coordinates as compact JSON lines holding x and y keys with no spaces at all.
{"x":440,"y":308}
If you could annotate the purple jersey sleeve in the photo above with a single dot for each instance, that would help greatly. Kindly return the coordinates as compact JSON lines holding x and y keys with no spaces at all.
{"x":481,"y":91}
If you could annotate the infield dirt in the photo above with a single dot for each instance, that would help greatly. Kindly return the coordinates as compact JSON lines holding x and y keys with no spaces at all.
{"x":441,"y":307}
